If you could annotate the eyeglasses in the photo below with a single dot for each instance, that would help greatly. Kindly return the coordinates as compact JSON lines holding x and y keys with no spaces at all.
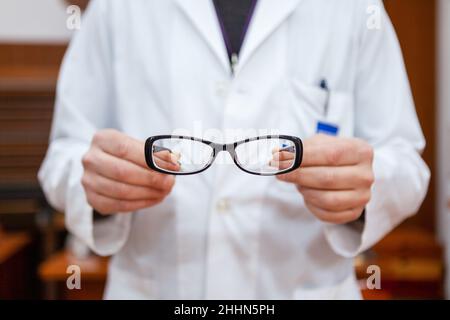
{"x":263,"y":156}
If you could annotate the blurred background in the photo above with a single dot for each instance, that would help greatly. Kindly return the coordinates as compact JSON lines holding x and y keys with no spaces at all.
{"x":35,"y":249}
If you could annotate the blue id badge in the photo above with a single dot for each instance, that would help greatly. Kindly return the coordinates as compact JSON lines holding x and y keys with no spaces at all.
{"x":327,"y":128}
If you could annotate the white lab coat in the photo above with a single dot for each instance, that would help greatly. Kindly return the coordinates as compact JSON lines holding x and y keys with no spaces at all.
{"x":148,"y":67}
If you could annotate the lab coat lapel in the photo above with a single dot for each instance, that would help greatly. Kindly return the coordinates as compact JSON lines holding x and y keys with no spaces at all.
{"x":203,"y":16}
{"x":268,"y":15}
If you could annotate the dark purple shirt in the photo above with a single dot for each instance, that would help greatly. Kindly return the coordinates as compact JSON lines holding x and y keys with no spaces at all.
{"x":234,"y":18}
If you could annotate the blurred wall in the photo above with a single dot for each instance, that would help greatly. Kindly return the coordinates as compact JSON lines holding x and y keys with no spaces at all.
{"x":443,"y":128}
{"x":33,"y":21}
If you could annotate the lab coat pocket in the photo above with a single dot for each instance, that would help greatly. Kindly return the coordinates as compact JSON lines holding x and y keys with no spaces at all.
{"x":311,"y":104}
{"x":341,"y":113}
{"x":345,"y":290}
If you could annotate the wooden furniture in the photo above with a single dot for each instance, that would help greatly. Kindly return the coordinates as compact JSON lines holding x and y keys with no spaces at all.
{"x":10,"y":244}
{"x":14,"y":260}
{"x":415,"y":24}
{"x":411,"y":265}
{"x":28,"y":75}
{"x":81,"y":3}
{"x":93,"y":276}
{"x":26,"y":108}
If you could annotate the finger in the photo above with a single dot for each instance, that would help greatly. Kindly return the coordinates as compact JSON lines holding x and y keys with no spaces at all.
{"x":282,"y":160}
{"x":281,"y":165}
{"x":105,"y":205}
{"x":335,"y":178}
{"x":124,"y":171}
{"x":336,"y":201}
{"x":342,"y":217}
{"x":121,"y":146}
{"x":167,"y":160}
{"x":119,"y":190}
{"x":167,"y":156}
{"x":322,"y":150}
{"x":281,"y":156}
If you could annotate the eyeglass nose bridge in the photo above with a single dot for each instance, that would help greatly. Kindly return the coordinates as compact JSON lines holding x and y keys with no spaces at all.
{"x":230,"y":148}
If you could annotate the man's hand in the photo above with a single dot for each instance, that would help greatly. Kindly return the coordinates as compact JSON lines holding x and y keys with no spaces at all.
{"x":116,"y":177}
{"x":335,"y":178}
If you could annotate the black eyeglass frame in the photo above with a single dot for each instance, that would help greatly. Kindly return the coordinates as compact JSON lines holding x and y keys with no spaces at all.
{"x":217,"y":148}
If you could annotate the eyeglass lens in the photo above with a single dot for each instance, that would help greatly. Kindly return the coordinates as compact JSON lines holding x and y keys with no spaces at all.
{"x":266,"y":156}
{"x":176,"y":155}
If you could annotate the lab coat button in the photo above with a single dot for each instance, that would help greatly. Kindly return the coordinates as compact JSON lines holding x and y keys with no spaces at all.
{"x":223,"y":205}
{"x":221,"y":89}
{"x":242,"y":90}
